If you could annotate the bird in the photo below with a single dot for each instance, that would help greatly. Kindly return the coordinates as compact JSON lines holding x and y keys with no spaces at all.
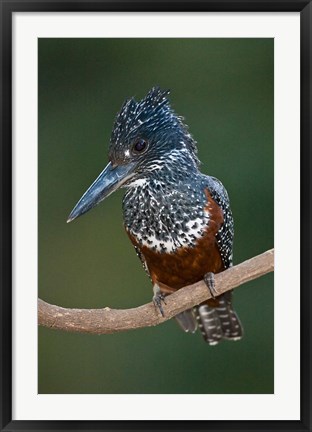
{"x":178,"y":219}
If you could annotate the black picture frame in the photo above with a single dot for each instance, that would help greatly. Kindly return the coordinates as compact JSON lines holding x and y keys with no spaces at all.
{"x":7,"y":9}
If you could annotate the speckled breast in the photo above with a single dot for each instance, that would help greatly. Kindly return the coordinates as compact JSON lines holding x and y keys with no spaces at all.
{"x":174,"y":231}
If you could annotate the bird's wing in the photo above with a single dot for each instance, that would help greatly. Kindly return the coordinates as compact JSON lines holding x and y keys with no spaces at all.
{"x":225,"y":233}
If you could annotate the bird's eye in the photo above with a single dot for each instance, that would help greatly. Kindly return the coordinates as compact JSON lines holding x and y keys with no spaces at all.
{"x":140,"y":146}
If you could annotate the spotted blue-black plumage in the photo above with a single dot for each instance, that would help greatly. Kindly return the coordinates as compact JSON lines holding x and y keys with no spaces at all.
{"x":153,"y":119}
{"x":178,"y":218}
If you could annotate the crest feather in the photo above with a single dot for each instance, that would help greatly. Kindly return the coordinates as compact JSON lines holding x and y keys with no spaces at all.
{"x":153,"y":112}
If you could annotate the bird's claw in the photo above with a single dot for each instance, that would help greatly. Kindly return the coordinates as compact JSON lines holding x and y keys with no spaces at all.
{"x":158,"y":298}
{"x":209,"y":280}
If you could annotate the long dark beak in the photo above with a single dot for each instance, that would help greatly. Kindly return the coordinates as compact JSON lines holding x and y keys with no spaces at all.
{"x":107,"y":182}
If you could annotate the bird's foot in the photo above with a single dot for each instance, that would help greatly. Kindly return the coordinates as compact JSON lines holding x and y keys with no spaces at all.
{"x":209,"y":280}
{"x":158,"y":298}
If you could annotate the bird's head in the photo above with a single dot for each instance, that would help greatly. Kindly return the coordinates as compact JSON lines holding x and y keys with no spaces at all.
{"x":147,"y":136}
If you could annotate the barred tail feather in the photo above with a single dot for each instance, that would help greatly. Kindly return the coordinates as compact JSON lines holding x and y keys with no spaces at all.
{"x":209,"y":324}
{"x":230,"y":323}
{"x":219,"y":321}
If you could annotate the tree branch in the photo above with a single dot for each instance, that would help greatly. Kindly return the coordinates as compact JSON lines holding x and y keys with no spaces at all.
{"x":104,"y":321}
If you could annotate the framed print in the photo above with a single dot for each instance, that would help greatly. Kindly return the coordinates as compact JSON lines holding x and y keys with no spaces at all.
{"x":197,"y":117}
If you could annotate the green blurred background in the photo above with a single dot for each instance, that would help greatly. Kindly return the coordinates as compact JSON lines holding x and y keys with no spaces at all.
{"x":224,"y":89}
